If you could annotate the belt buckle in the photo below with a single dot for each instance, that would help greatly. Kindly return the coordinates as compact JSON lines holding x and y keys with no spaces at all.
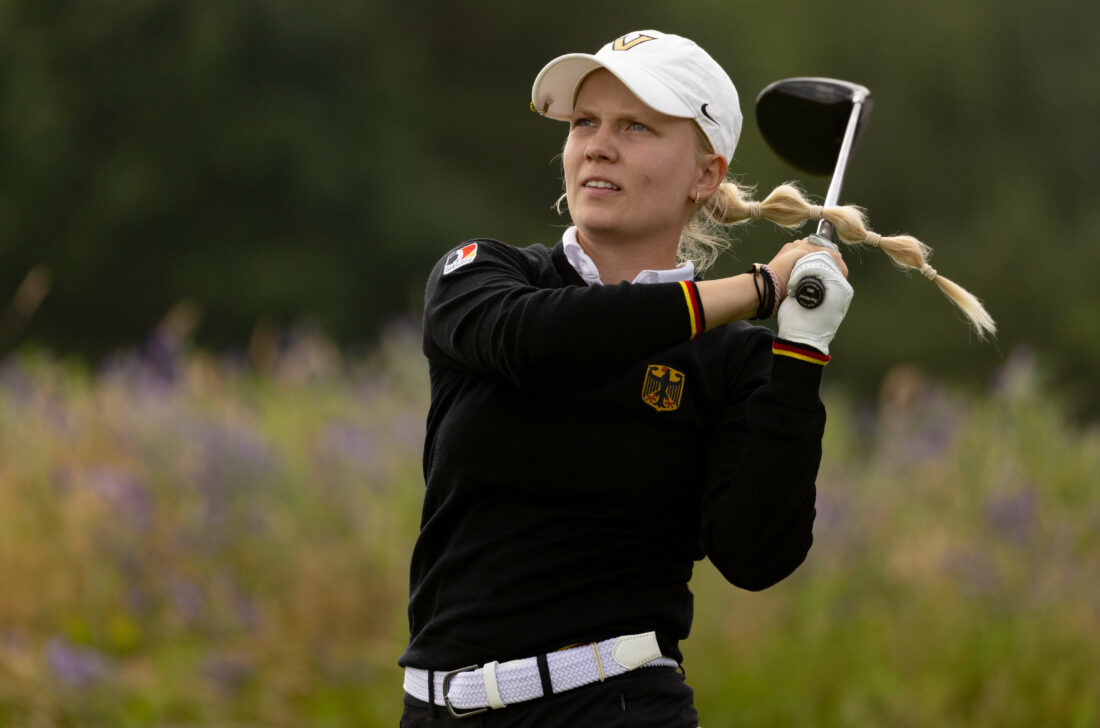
{"x":447,"y":699}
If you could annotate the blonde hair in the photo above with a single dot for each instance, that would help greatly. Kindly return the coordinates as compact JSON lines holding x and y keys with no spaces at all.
{"x":704,"y":237}
{"x":703,"y":240}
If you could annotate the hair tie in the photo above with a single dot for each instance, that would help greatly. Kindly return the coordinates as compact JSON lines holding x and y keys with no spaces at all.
{"x":754,"y":210}
{"x":928,"y":272}
{"x":816,"y":212}
{"x":873,"y":239}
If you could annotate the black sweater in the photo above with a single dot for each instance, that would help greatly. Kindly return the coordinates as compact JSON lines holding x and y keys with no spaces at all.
{"x":583,"y":451}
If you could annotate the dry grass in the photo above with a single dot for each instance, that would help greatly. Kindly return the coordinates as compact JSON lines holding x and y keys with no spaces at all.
{"x":194,"y":541}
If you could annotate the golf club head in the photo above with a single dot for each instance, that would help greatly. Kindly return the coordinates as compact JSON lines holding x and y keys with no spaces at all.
{"x":804,"y":119}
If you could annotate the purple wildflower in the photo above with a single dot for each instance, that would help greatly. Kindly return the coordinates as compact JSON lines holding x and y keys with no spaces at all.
{"x":124,"y":492}
{"x":229,"y":673}
{"x":15,"y":381}
{"x":974,"y":571}
{"x":187,"y":597}
{"x":408,"y":431}
{"x":348,"y":444}
{"x":1015,"y":515}
{"x":75,"y":665}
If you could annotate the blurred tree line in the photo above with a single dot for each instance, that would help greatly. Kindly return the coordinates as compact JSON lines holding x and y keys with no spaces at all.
{"x":273,"y":162}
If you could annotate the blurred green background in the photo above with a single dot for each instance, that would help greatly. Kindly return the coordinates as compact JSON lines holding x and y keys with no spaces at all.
{"x":216,"y":221}
{"x":284,"y":163}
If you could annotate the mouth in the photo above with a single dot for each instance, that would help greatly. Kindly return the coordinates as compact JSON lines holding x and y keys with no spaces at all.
{"x":601,"y":184}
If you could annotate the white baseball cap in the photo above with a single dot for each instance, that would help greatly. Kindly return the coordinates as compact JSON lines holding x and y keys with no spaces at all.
{"x":668,"y":73}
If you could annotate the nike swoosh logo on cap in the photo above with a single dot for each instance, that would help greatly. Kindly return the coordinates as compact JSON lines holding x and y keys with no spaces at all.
{"x":704,"y":110}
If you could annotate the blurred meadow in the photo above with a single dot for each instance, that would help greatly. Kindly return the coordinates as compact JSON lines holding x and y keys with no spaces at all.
{"x":216,"y":221}
{"x":198,"y":540}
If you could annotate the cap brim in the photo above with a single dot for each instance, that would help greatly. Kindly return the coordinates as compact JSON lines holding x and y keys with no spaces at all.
{"x":555,"y":88}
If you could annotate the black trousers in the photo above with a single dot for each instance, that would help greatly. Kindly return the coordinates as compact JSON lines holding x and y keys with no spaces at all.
{"x":649,"y":697}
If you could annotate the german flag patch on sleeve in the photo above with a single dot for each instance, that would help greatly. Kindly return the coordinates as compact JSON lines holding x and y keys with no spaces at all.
{"x":460,"y":257}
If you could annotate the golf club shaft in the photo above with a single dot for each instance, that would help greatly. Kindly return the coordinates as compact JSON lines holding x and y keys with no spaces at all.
{"x":810,"y":291}
{"x":825,"y":229}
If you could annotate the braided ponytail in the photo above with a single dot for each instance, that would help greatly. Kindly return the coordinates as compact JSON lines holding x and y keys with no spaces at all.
{"x":703,"y":240}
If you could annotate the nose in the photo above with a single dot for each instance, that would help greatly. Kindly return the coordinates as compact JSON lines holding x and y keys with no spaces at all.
{"x":601,"y":146}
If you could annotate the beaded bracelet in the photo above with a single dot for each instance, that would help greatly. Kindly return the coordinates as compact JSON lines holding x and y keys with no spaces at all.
{"x":768,"y":296}
{"x":777,"y":293}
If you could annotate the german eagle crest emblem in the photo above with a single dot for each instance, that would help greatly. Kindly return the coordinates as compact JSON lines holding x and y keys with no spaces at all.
{"x":662,"y":387}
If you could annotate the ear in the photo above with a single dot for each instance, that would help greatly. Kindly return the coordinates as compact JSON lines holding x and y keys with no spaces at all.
{"x":711,"y":174}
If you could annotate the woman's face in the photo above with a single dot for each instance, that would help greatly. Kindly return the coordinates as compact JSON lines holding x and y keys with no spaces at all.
{"x":630,"y":172}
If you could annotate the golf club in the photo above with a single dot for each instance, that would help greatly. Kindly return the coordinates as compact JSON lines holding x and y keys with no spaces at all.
{"x":813,"y":125}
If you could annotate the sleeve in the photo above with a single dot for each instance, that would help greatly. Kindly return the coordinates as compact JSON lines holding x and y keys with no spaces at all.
{"x":758,"y":500}
{"x":496,"y":314}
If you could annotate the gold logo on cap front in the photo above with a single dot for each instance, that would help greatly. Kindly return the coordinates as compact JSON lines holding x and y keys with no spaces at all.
{"x":622,"y":44}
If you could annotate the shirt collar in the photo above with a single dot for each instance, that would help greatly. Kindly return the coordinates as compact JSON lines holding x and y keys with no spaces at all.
{"x":586,"y":267}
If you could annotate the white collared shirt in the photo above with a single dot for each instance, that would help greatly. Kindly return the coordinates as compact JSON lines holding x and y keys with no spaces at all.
{"x":586,"y":267}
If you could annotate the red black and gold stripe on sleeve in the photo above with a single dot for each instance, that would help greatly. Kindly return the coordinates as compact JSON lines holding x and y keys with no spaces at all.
{"x":802,"y":353}
{"x":695,"y":309}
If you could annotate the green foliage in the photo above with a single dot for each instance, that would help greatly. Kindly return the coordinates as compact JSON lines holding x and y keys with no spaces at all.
{"x":195,"y":540}
{"x":184,"y":541}
{"x":955,"y":578}
{"x":274,"y":162}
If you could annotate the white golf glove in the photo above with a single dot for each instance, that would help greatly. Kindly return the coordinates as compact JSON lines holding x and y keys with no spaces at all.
{"x":815,"y":327}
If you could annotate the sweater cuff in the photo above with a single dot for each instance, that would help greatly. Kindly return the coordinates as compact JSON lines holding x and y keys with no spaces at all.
{"x":801,"y":352}
{"x":793,"y":377}
{"x":694,"y":308}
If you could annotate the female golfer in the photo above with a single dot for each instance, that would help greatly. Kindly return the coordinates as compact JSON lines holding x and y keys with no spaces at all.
{"x":601,"y":419}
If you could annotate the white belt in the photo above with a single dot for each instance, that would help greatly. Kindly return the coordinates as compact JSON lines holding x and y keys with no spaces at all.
{"x":473,"y":690}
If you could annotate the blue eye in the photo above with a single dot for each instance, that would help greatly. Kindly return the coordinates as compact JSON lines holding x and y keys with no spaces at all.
{"x":638,"y":126}
{"x":582,"y":122}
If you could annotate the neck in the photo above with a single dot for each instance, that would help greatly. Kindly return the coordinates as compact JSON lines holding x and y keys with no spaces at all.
{"x":622,"y":260}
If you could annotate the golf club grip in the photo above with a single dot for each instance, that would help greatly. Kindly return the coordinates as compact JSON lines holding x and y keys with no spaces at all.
{"x":810,"y":292}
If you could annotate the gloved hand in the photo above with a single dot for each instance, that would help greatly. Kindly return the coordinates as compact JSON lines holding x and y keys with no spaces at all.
{"x":815,"y":327}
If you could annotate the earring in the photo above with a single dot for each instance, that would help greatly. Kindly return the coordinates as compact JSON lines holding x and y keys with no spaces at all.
{"x":696,"y":200}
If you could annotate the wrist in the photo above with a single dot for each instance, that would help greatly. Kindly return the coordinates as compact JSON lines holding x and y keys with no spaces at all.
{"x":769,"y":292}
{"x":727,"y":299}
